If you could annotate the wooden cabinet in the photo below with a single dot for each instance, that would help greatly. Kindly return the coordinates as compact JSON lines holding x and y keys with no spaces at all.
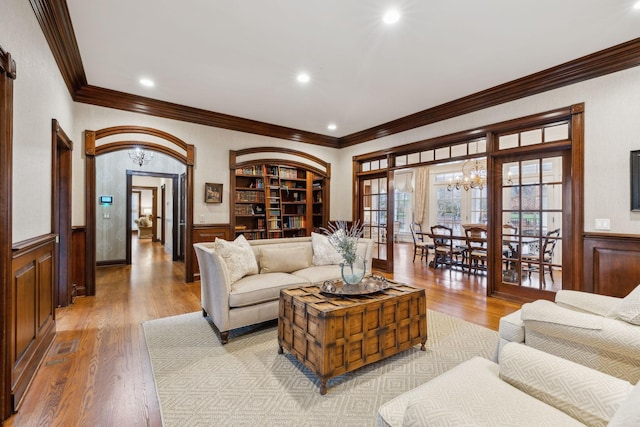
{"x":272,"y":200}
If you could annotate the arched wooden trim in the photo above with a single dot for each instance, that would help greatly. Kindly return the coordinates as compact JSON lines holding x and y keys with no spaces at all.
{"x":91,"y":151}
{"x":289,"y":151}
{"x":116,"y":130}
{"x":124,"y":145}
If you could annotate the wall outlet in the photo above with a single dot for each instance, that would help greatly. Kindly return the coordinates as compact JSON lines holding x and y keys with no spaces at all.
{"x":603,"y":224}
{"x":201,"y":218}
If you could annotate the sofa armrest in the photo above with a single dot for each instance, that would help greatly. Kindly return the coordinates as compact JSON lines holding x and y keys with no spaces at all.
{"x":215,"y":285}
{"x":585,"y":394}
{"x":586,"y":302}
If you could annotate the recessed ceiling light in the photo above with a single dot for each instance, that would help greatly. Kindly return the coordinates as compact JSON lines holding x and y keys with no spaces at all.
{"x":147,"y":82}
{"x":391,"y":16}
{"x":332,"y":126}
{"x":303,"y":78}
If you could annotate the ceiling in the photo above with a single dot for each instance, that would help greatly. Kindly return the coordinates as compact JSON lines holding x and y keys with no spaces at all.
{"x":241,"y":58}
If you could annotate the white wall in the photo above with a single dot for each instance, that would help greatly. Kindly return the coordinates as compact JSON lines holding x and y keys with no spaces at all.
{"x":39,"y":96}
{"x":612,"y":130}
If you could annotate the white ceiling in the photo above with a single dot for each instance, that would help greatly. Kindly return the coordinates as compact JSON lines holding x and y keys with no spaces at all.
{"x":242,"y":57}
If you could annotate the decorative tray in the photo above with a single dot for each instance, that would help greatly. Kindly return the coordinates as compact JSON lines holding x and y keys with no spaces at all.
{"x":368,"y":285}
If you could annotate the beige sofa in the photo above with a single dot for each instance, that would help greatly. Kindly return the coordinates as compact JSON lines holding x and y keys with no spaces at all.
{"x":528,"y":388}
{"x":597,"y":331}
{"x":235,"y":299}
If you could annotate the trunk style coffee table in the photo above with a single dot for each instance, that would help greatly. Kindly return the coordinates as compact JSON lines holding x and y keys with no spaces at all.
{"x":332,"y":335}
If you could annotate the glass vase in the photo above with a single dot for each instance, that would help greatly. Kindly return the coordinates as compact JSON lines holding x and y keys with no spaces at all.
{"x":353,"y":273}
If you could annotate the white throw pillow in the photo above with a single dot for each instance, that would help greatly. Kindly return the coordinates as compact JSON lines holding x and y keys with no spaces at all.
{"x":323,"y":251}
{"x":629,"y":308}
{"x":238,"y":257}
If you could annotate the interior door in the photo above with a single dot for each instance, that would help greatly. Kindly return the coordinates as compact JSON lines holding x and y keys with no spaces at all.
{"x":533,"y":202}
{"x":374,"y":207}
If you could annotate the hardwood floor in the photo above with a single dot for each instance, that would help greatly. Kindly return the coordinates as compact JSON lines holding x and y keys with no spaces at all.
{"x":98,"y":373}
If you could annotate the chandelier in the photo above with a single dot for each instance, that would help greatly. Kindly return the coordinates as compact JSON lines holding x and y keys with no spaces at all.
{"x":140,"y":157}
{"x":474,"y":175}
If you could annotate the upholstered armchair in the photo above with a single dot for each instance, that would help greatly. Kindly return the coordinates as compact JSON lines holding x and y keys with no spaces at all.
{"x":594,"y":330}
{"x":527,"y":388}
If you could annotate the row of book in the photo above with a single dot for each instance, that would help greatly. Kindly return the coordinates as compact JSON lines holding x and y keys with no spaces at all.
{"x":295,"y":222}
{"x":249,"y":196}
{"x":250,"y":170}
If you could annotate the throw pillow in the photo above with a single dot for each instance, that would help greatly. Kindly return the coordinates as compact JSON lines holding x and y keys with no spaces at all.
{"x":238,"y":257}
{"x":323,"y":251}
{"x":629,"y":308}
{"x":284,"y":260}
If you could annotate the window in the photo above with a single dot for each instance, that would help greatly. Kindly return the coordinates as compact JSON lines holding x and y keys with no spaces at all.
{"x":402,"y":210}
{"x":448,"y":205}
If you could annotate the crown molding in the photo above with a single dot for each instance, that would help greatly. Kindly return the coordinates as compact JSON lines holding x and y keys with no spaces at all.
{"x":54,"y":19}
{"x":138,"y":104}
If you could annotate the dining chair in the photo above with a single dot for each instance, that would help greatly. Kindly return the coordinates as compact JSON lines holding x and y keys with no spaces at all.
{"x":444,"y":250}
{"x":509,"y":244}
{"x":544,"y":258}
{"x":419,"y":243}
{"x":476,"y":248}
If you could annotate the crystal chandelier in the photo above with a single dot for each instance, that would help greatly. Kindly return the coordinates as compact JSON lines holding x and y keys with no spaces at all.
{"x":474,"y":175}
{"x":140,"y":157}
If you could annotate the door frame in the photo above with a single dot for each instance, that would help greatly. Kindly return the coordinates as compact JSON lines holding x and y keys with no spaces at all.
{"x":92,"y":150}
{"x":61,"y":186}
{"x":174,"y":226}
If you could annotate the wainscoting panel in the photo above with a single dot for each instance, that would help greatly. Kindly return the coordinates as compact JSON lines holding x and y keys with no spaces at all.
{"x":207,"y":233}
{"x":611,"y":263}
{"x":32,"y":328}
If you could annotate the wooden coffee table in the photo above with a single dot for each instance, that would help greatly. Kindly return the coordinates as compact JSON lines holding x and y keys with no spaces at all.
{"x":332,"y":335}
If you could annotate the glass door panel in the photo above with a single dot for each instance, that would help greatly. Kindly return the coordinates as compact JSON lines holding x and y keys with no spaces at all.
{"x":531,"y":229}
{"x":374,"y":214}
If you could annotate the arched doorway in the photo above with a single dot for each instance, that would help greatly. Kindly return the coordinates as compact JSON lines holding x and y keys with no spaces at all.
{"x":184,"y":153}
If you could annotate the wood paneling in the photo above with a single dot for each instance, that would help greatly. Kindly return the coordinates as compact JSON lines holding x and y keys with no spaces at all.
{"x":55,"y":22}
{"x":611,"y":263}
{"x":32,"y":327}
{"x":207,"y":233}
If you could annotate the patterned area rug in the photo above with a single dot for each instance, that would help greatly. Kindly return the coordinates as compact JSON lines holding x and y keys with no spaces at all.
{"x":247,"y":383}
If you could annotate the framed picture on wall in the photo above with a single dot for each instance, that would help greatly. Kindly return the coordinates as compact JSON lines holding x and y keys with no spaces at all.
{"x":212,"y":193}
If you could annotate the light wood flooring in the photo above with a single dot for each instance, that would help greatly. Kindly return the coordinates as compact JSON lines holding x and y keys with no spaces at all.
{"x":98,"y":373}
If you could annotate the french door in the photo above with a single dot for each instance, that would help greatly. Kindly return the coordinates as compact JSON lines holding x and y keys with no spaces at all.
{"x":533,"y":205}
{"x":374,"y":208}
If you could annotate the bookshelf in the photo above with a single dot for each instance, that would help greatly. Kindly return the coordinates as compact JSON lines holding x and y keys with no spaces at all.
{"x":273,"y":200}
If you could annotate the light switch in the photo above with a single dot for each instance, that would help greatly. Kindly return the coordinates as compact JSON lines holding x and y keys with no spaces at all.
{"x":106,"y":215}
{"x":603,"y":224}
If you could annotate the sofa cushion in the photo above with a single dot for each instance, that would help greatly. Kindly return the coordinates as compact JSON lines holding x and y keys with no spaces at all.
{"x":284,"y":260}
{"x":238,"y":257}
{"x":629,"y":308}
{"x":323,"y":251}
{"x":261,"y":288}
{"x":319,"y":273}
{"x":589,"y":396}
